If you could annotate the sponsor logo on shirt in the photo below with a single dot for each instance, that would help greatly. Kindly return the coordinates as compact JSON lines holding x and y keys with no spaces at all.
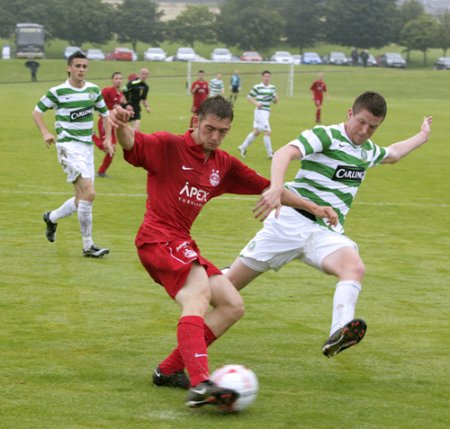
{"x":77,"y":114}
{"x":192,"y":195}
{"x":345,"y":172}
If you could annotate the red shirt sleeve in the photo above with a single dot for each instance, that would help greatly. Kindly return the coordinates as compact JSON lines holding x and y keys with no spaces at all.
{"x":241,"y":179}
{"x":146,"y":151}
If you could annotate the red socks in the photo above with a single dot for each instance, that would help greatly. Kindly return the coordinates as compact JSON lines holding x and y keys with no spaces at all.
{"x":193,"y":339}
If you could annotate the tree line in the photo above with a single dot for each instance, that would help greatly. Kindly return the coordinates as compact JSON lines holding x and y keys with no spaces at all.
{"x":246,"y":24}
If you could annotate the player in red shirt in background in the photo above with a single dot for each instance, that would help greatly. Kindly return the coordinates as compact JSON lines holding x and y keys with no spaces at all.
{"x":113,"y":96}
{"x":318,"y":87}
{"x":200,"y":92}
{"x":184,"y":172}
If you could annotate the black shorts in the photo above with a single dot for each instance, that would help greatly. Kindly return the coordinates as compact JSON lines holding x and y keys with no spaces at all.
{"x":137,"y":113}
{"x":234,"y":89}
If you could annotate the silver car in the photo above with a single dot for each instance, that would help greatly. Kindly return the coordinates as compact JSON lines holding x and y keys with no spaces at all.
{"x":155,"y":54}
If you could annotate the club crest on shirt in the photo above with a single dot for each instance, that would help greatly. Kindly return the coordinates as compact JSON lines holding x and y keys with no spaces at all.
{"x":214,"y":178}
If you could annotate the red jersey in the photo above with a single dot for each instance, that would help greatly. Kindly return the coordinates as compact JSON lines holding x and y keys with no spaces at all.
{"x":200,"y":91}
{"x":318,"y":87}
{"x":180,"y":182}
{"x":112,"y":97}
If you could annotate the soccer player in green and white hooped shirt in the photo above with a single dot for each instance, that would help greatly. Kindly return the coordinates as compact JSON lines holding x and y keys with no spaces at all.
{"x":334,"y":162}
{"x":74,"y":102}
{"x":262,"y":96}
{"x":216,"y":86}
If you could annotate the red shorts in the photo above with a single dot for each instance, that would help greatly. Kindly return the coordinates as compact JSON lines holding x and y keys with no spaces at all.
{"x":318,"y":101}
{"x":98,"y":140}
{"x":169,"y":264}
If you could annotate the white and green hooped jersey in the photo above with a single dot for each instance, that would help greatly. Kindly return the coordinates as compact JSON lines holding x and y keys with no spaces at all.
{"x":264,"y":95}
{"x":333,"y":168}
{"x":74,"y":110}
{"x":216,"y":87}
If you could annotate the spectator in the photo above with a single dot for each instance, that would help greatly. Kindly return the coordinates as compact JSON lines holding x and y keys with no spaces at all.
{"x":33,"y":67}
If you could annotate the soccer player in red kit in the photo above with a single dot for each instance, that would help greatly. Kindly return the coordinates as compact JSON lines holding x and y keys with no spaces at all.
{"x":113,"y":96}
{"x":184,"y":172}
{"x":200,"y":92}
{"x":318,"y":87}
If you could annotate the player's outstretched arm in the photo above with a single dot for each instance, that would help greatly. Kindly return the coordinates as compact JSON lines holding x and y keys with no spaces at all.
{"x":118,"y":118}
{"x":400,"y":149}
{"x":271,"y":197}
{"x":291,"y":199}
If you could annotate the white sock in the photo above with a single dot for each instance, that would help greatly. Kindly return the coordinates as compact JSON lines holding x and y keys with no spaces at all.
{"x":344,"y":303}
{"x":268,"y":145}
{"x":67,"y":209}
{"x":85,"y":220}
{"x":248,"y":141}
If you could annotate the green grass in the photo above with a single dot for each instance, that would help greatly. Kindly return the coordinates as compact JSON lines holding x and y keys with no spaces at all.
{"x":79,"y":338}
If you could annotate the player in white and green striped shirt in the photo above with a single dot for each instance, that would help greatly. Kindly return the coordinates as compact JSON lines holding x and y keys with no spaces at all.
{"x":262,"y":96}
{"x":216,"y":86}
{"x":74,"y":103}
{"x":334,"y":162}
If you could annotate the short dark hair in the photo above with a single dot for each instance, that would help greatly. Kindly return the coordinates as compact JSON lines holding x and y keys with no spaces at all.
{"x":77,"y":54}
{"x":372,"y":102}
{"x":266,"y":71}
{"x":216,"y":106}
{"x":115,"y":74}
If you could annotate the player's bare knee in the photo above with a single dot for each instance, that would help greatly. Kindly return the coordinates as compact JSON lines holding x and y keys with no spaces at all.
{"x":358,"y":268}
{"x":90,"y":196}
{"x":236,"y":308}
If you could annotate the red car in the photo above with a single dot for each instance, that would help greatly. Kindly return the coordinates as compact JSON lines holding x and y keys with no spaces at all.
{"x":251,"y":56}
{"x":121,"y":54}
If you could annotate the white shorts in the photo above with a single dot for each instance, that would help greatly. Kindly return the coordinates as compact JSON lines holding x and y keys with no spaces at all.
{"x":288,"y":237}
{"x":76,"y":159}
{"x":261,"y":120}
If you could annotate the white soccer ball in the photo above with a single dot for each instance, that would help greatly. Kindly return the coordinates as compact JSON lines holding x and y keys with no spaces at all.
{"x":240,"y":379}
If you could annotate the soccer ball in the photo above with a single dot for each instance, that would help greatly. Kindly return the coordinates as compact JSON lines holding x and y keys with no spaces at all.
{"x":240,"y":379}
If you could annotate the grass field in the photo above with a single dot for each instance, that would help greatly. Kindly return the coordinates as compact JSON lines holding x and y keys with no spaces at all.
{"x":79,"y":338}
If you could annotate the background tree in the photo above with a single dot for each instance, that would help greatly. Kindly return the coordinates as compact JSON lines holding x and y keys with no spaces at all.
{"x":80,"y":22}
{"x":15,"y":11}
{"x":362,"y":24}
{"x":408,"y":11}
{"x":196,"y":22}
{"x":420,"y":34}
{"x":249,"y":24}
{"x":443,"y":32}
{"x":304,"y":21}
{"x":139,"y":21}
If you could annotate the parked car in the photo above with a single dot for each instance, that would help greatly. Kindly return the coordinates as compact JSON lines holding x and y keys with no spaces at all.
{"x":185,"y":54}
{"x":221,"y":54}
{"x":250,"y":56}
{"x":336,"y":59}
{"x":122,"y":54}
{"x":392,"y":59}
{"x":155,"y":54}
{"x":71,"y":50}
{"x":297,"y":58}
{"x":442,"y":63}
{"x":282,"y":57}
{"x":95,"y":54}
{"x":311,"y":58}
